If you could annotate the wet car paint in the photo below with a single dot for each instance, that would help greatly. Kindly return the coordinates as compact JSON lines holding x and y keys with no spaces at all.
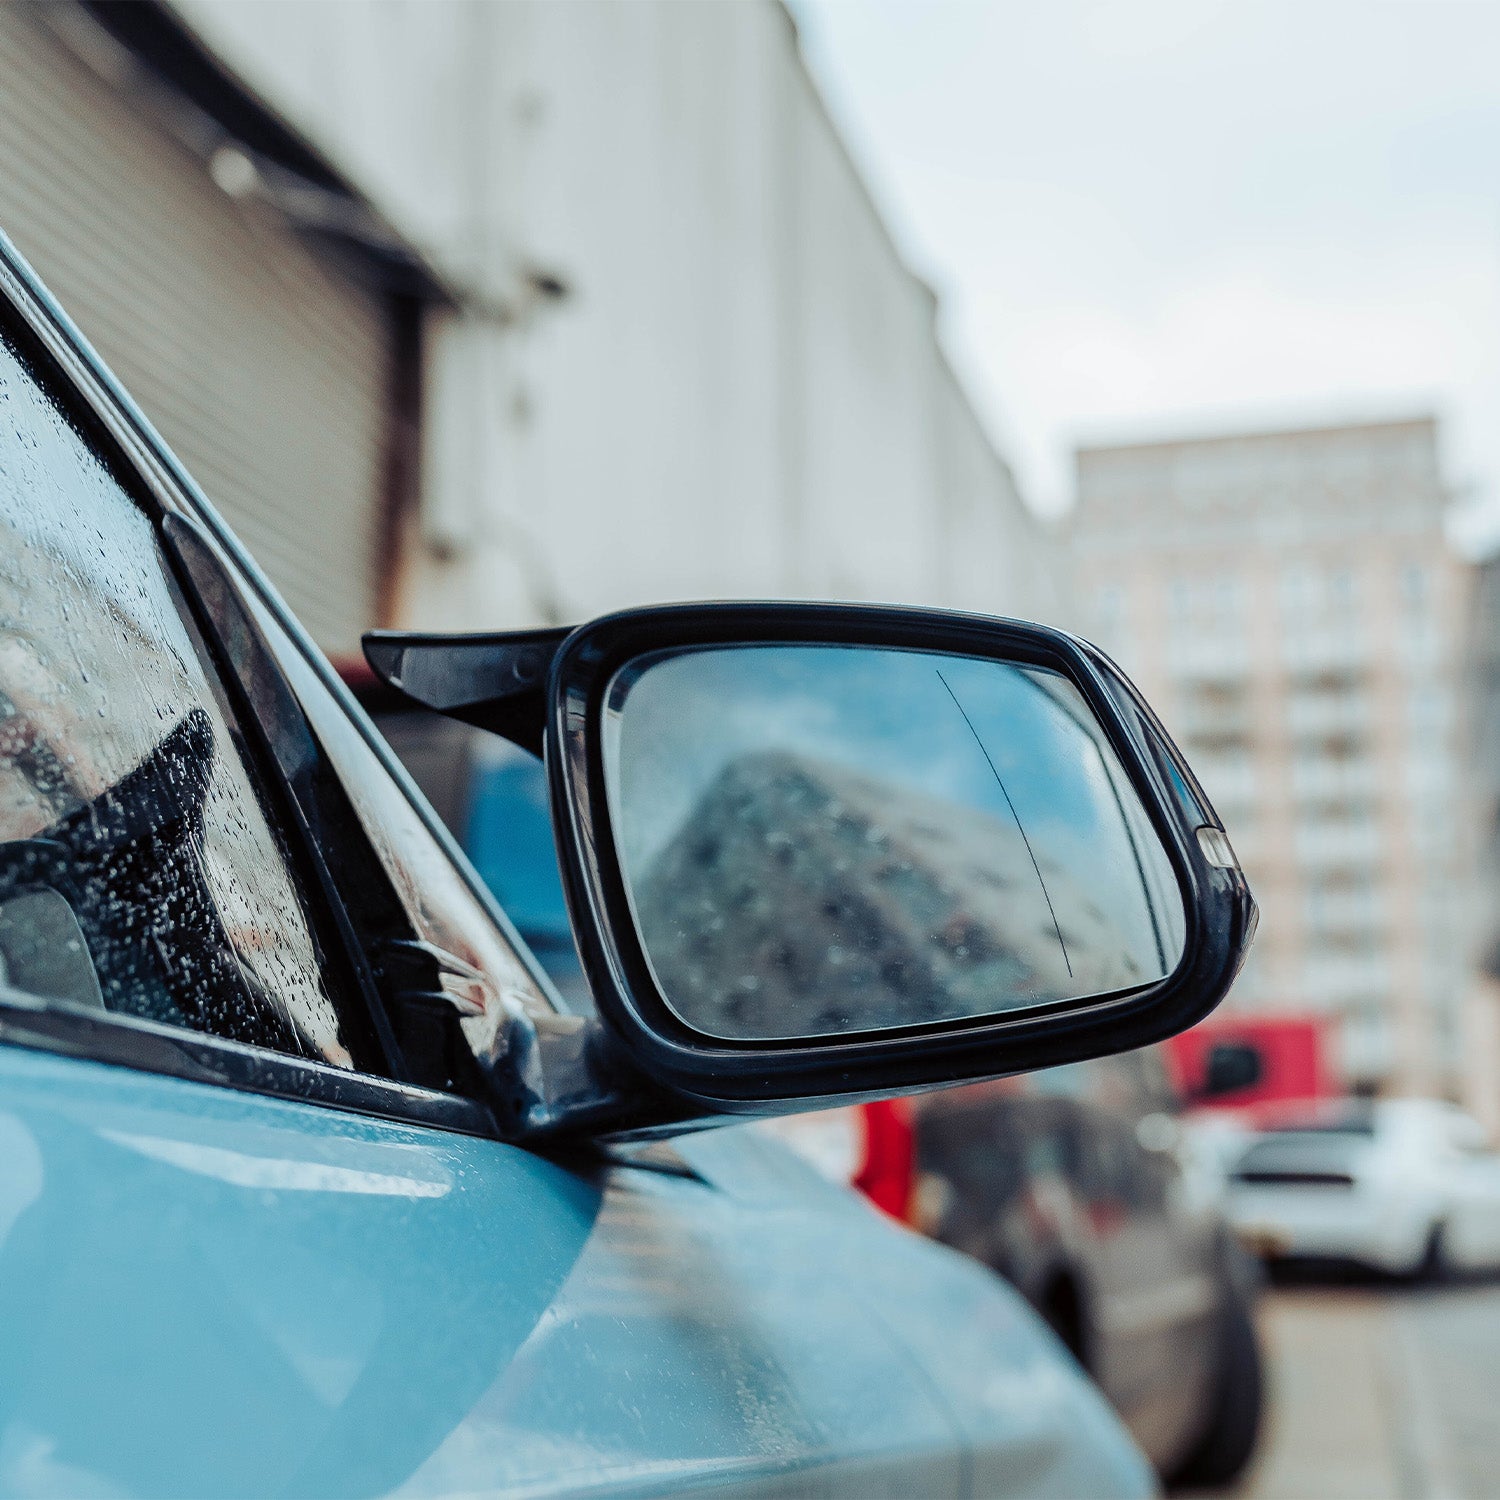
{"x":214,"y":1292}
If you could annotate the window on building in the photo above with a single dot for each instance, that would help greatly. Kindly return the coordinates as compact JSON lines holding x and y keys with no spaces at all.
{"x":1227,"y":596}
{"x":1429,"y":708}
{"x":1299,"y":591}
{"x":1180,"y":601}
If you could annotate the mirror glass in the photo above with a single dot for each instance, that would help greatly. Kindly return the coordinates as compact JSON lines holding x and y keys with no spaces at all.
{"x":821,"y":840}
{"x":43,"y":951}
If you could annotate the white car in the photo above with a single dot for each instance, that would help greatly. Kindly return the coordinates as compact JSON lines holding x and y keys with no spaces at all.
{"x":1405,"y":1186}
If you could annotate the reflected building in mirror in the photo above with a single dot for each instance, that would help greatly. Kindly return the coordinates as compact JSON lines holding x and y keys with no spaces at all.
{"x":802,"y":899}
{"x":1289,"y":603}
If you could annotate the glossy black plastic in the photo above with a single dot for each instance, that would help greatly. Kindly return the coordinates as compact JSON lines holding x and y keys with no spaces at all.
{"x":759,"y":1077}
{"x":495,"y":682}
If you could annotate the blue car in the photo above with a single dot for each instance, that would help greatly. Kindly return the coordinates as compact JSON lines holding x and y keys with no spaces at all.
{"x":314,"y":1183}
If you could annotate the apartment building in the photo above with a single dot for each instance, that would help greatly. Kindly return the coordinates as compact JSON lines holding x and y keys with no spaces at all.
{"x":1289,"y":602}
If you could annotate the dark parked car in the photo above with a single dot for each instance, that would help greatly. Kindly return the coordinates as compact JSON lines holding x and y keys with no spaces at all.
{"x":1076,"y":1185}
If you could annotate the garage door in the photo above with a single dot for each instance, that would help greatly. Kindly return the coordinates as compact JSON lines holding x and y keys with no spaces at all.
{"x":263,"y":366}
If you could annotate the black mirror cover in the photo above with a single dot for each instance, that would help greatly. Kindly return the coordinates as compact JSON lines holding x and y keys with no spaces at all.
{"x":703,"y":1073}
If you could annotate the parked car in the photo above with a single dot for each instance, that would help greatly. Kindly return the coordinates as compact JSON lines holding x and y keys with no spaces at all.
{"x":1405,"y":1186}
{"x":313,"y":1182}
{"x":1078,"y":1186}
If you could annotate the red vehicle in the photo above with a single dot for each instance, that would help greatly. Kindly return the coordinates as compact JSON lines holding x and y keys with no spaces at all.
{"x":1284,"y":1058}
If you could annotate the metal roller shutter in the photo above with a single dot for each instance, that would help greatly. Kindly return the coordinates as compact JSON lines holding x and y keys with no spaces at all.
{"x":264,"y":366}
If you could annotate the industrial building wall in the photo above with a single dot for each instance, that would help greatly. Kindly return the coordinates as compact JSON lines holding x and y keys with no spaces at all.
{"x":264,"y":368}
{"x":691,"y":362}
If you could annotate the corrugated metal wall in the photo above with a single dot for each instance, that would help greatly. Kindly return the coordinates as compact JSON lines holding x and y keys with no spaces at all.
{"x":265,"y":368}
{"x":742,"y":391}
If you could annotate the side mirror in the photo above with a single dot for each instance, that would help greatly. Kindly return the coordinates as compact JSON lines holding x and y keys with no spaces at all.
{"x":818,"y":852}
{"x":1229,"y":1068}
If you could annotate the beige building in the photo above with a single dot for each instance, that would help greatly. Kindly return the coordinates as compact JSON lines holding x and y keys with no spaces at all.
{"x":1288,"y":601}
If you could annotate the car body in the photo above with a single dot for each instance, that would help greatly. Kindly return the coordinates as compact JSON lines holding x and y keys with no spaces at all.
{"x":313,"y":1182}
{"x":211,"y":1292}
{"x":1079,"y":1186}
{"x":1404,"y":1186}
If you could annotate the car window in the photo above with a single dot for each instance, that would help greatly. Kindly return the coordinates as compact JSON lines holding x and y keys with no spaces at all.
{"x":142,"y":869}
{"x":492,"y":797}
{"x":481,"y":970}
{"x":508,"y":835}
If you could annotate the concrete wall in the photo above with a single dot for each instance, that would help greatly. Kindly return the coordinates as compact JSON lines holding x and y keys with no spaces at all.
{"x":738,"y":390}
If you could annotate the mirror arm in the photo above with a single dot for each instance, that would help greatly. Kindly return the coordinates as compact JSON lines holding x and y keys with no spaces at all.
{"x":496,"y":681}
{"x":548,"y":1076}
{"x":556,"y":1077}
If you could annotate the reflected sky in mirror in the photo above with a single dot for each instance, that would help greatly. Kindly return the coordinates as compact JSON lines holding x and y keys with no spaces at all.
{"x":824,"y":839}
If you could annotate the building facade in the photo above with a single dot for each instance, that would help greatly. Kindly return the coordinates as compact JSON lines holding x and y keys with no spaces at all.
{"x":686,"y":358}
{"x":470,"y":315}
{"x":1483,"y":781}
{"x":1289,"y":602}
{"x":265,"y":352}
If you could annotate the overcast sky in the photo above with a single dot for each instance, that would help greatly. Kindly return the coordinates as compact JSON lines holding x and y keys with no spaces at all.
{"x":1151,"y":216}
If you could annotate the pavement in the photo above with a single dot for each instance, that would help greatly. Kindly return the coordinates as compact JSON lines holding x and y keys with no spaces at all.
{"x":1381,"y":1392}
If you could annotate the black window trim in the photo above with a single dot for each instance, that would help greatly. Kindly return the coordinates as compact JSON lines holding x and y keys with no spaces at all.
{"x":199,"y":1057}
{"x":132,"y":444}
{"x":189,"y":552}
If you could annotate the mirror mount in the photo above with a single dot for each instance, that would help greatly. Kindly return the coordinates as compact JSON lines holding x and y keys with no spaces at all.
{"x":496,"y":681}
{"x":559,"y":1077}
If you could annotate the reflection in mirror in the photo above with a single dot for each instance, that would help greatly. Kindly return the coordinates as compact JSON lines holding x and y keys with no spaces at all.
{"x":819,"y":840}
{"x":43,"y":951}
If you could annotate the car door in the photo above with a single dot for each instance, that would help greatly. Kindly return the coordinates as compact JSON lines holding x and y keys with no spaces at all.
{"x":1471,"y":1169}
{"x":267,"y":1297}
{"x":1153,"y":1254}
{"x":256,"y":1235}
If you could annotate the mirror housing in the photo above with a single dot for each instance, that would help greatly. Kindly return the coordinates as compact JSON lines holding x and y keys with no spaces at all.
{"x":662,"y":1070}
